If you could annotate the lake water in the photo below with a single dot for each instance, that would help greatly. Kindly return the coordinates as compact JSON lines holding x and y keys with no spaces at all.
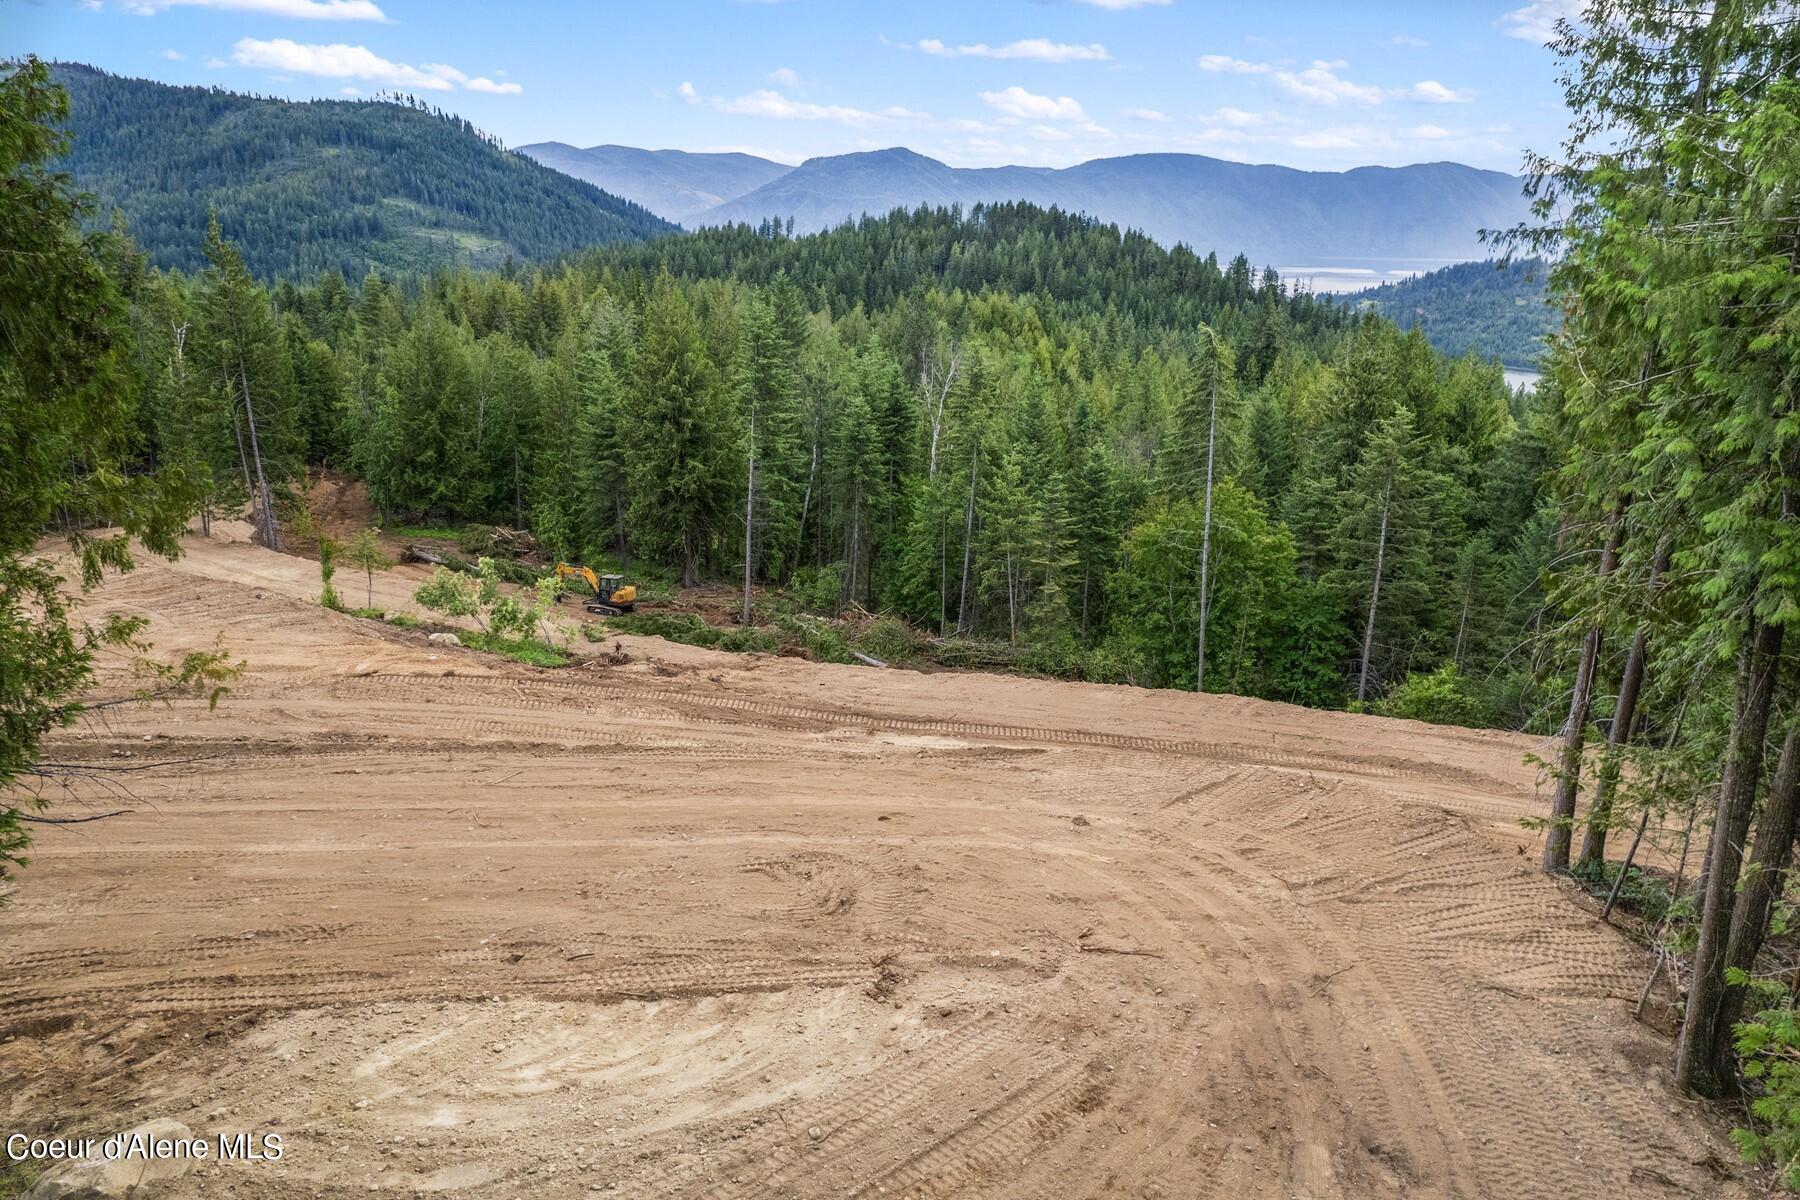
{"x":1528,"y":380}
{"x":1332,"y":274}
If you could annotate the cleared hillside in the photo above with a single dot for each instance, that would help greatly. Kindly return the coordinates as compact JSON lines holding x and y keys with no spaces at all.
{"x":709,"y":925}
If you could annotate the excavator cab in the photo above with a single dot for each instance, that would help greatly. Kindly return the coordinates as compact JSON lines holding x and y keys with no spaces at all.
{"x":614,"y":592}
{"x":612,"y":595}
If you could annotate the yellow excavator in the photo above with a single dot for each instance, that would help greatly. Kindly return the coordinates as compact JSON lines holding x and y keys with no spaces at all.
{"x":612,"y":595}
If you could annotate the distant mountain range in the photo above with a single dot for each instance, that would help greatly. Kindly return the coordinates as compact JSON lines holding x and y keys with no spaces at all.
{"x":326,"y":184}
{"x":673,"y":184}
{"x":1274,"y":215}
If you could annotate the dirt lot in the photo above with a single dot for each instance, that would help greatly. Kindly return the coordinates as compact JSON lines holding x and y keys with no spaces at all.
{"x":727,"y":926}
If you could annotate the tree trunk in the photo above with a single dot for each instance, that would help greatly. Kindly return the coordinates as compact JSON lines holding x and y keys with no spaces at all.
{"x":266,"y":507}
{"x":1631,"y":683}
{"x":1561,"y":832}
{"x":1462,"y":624}
{"x":1763,"y":884}
{"x":1699,"y":1064}
{"x":1206,"y":532}
{"x":1012,"y":606}
{"x":962,"y":603}
{"x":1362,"y":682}
{"x":749,"y":514}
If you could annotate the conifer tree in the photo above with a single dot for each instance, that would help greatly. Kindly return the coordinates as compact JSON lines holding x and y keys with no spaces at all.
{"x":241,"y":350}
{"x":676,"y":437}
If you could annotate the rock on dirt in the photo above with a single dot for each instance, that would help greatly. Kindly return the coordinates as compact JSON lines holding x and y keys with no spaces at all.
{"x":444,"y":639}
{"x":136,"y":1174}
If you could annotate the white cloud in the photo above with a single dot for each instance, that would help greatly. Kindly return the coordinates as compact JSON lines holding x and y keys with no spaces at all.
{"x":1321,"y":84}
{"x":339,"y":61}
{"x":1536,"y":22}
{"x":786,"y":76}
{"x":296,"y":10}
{"x":1433,"y":92}
{"x":1144,"y":114}
{"x":173,"y":55}
{"x":1239,"y":118}
{"x":1349,"y":137}
{"x":1121,"y":5}
{"x":1407,"y":39}
{"x":483,"y":84}
{"x":1036,"y":49}
{"x":1225,"y":64}
{"x":1429,"y":133}
{"x":1028,"y":106}
{"x":215,"y":63}
{"x":349,"y":91}
{"x":688,"y":93}
{"x":765,"y":102}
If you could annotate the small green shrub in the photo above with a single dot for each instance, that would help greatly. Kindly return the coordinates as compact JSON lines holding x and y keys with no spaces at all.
{"x":1642,"y":893}
{"x":821,"y":641}
{"x":1113,"y":662}
{"x":818,"y":589}
{"x":523,"y":649}
{"x":1059,"y":658}
{"x":403,"y":620}
{"x":1438,"y":697}
{"x":889,"y":639}
{"x":1769,"y":1050}
{"x":328,"y":596}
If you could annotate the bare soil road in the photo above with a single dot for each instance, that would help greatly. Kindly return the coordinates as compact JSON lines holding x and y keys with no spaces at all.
{"x":714,"y":925}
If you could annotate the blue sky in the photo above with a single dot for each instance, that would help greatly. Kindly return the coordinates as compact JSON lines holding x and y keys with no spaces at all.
{"x":1042,"y":82}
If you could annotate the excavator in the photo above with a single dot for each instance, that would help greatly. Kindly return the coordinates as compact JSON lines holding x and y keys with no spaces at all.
{"x":612,"y":595}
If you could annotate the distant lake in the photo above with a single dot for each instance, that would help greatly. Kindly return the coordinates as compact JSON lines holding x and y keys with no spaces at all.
{"x":1329,"y":274}
{"x":1528,"y":380}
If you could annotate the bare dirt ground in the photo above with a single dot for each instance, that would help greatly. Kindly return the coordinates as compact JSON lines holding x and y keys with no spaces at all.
{"x":713,"y":925}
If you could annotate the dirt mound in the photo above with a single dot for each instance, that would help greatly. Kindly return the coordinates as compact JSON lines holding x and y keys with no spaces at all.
{"x":697,"y":925}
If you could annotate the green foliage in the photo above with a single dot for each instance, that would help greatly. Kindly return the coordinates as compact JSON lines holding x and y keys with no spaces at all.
{"x":1492,"y":309}
{"x":67,"y":452}
{"x":365,"y":553}
{"x":327,"y":185}
{"x":989,"y":424}
{"x":888,"y":639}
{"x":1769,"y":1047}
{"x":1642,"y":893}
{"x":328,"y":552}
{"x":1439,"y":697}
{"x":450,"y":593}
{"x":429,"y":533}
{"x":819,"y":589}
{"x":691,"y":630}
{"x":530,"y":651}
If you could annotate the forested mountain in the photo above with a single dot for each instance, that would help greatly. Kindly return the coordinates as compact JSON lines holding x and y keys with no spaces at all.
{"x":994,"y":425}
{"x":673,"y":184}
{"x":324,"y":185}
{"x":1273,"y":214}
{"x":1067,"y":262}
{"x":1498,"y":310}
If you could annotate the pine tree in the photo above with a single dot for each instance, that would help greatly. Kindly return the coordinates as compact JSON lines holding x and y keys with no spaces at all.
{"x":676,"y":436}
{"x":240,"y":348}
{"x":600,"y":467}
{"x":1383,"y":544}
